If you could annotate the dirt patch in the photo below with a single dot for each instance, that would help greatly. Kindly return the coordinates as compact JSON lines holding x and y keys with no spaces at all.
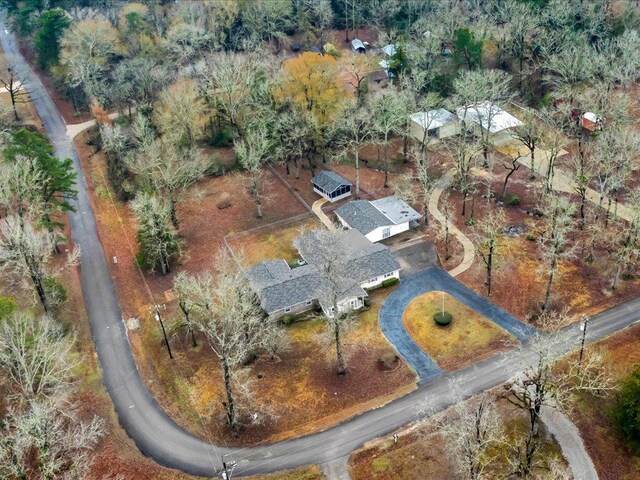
{"x":450,"y":346}
{"x":304,"y":473}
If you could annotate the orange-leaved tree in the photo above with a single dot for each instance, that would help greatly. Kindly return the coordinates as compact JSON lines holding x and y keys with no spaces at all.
{"x":312,"y":83}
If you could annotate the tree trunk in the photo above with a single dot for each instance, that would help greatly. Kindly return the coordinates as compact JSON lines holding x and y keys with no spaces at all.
{"x":547,"y":295}
{"x":386,"y":166}
{"x":357,"y":157}
{"x":230,"y":405}
{"x":490,"y":267}
{"x":339,"y":353}
{"x":258,"y":208}
{"x":174,"y":215}
{"x":42,"y":294}
{"x":616,"y":277}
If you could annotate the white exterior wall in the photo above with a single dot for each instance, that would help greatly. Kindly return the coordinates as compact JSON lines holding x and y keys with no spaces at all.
{"x":444,"y":131}
{"x":376,"y":235}
{"x":449,"y":130}
{"x":374,"y":282}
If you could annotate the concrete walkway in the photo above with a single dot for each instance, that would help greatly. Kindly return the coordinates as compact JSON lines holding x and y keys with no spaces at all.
{"x":469,"y":249}
{"x":75,"y":129}
{"x":436,"y":279}
{"x":317,"y":209}
{"x":337,"y":469}
{"x":571,"y":444}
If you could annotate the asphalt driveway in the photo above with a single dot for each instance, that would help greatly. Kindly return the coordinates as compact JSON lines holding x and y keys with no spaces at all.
{"x":434,"y":278}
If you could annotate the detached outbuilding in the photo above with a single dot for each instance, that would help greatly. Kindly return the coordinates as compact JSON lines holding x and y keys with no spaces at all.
{"x":434,"y":125}
{"x":358,"y":46}
{"x":489,"y":117}
{"x":379,"y":219}
{"x":331,"y":186}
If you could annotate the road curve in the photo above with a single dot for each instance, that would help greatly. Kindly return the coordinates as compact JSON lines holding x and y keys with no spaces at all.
{"x":159,"y":437}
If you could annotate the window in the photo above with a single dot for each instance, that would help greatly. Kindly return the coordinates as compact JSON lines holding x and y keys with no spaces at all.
{"x":308,"y":302}
{"x":287,"y":310}
{"x":387,"y":275}
{"x":386,"y":233}
{"x":373,"y":280}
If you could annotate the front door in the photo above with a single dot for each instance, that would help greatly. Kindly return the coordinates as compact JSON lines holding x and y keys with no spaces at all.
{"x":386,"y":233}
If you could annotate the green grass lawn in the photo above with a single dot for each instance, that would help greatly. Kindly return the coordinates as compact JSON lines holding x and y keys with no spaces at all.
{"x":469,"y":338}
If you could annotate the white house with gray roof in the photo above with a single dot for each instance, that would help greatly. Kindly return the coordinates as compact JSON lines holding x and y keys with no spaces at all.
{"x":434,"y":125}
{"x":379,"y":219}
{"x":331,"y":186}
{"x":287,"y":291}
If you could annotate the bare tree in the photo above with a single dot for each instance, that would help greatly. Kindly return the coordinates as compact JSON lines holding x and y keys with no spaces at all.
{"x":50,"y":435}
{"x":35,"y":356}
{"x":479,"y":95}
{"x":227,"y":311}
{"x":530,"y":135}
{"x":353,"y":130}
{"x":328,"y":246}
{"x":179,"y":113}
{"x":487,"y":235}
{"x":389,"y":111}
{"x":253,"y":152}
{"x":624,"y":242}
{"x":473,"y":432}
{"x":555,"y":242}
{"x":512,"y":167}
{"x":158,"y":240}
{"x":463,"y":153}
{"x":25,"y":254}
{"x":14,"y":79}
{"x":165,"y":168}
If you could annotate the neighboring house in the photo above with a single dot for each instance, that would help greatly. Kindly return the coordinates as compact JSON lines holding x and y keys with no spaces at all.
{"x":588,"y":120}
{"x":386,"y":68}
{"x":378,"y":219}
{"x":389,"y":51}
{"x":437,"y":124}
{"x":358,"y":46}
{"x":287,"y":291}
{"x":488,"y":117}
{"x":331,"y":186}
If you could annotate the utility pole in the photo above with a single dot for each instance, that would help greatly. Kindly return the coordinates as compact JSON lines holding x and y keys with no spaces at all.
{"x":227,"y":467}
{"x":164,"y":332}
{"x":583,"y":327}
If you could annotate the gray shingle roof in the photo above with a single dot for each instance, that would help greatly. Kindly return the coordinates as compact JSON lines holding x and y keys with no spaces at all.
{"x":279,"y":286}
{"x":363,"y":216}
{"x":329,"y":181}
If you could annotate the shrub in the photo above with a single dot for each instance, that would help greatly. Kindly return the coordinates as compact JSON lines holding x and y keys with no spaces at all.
{"x":7,"y":307}
{"x":288,"y":319}
{"x":367,"y":302}
{"x":531,"y":237}
{"x":443,"y":318}
{"x":56,"y":293}
{"x":222,"y":137}
{"x":512,"y":200}
{"x":390,"y":282}
{"x":388,"y":361}
{"x":626,"y":411}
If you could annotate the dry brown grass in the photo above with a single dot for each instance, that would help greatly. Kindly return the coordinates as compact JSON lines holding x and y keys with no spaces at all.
{"x":272,"y":243}
{"x":469,"y":338}
{"x":304,"y":473}
{"x":422,"y":454}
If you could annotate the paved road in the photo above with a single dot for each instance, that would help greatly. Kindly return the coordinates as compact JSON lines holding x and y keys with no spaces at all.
{"x":156,"y":435}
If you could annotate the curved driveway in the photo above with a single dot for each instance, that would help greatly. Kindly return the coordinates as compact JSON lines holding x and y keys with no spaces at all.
{"x":414,"y":285}
{"x":156,"y":434}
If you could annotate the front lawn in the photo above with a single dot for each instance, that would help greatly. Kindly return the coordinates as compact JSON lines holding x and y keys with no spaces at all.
{"x":272,"y":243}
{"x":469,"y":338}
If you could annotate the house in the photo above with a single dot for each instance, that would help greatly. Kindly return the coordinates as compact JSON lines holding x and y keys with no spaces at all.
{"x":358,"y":46}
{"x":389,"y":50}
{"x":331,"y":186}
{"x":488,"y":117}
{"x":386,"y":68}
{"x":378,"y":219}
{"x":587,"y":120}
{"x":287,"y":291}
{"x":437,"y":124}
